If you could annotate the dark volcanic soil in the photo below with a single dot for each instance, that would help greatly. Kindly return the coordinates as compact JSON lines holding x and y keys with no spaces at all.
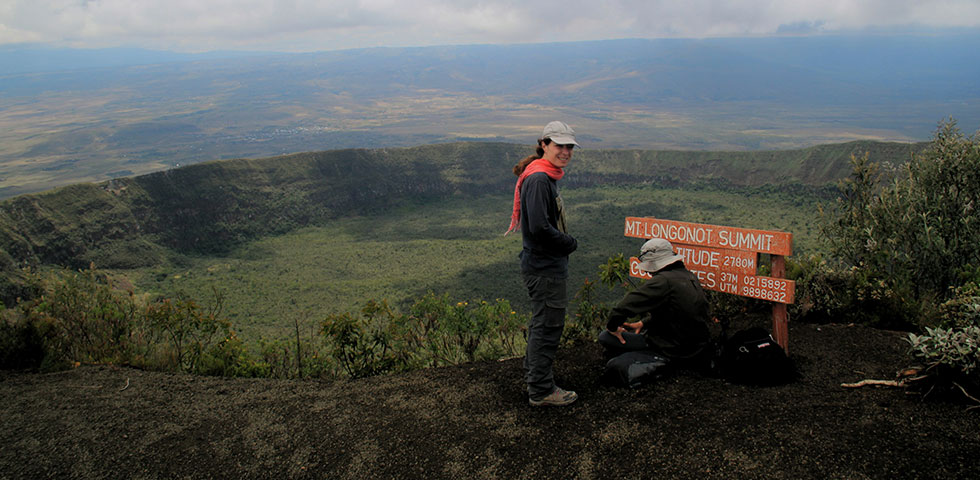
{"x":473,"y":421}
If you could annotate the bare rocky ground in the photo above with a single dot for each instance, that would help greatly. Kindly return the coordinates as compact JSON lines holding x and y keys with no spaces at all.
{"x":473,"y":421}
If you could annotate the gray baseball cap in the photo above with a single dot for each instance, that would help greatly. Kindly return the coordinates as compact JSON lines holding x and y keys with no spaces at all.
{"x":560,"y":133}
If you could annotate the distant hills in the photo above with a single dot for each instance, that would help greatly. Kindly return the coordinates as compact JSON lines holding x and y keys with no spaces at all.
{"x":212,"y":207}
{"x":70,"y":115}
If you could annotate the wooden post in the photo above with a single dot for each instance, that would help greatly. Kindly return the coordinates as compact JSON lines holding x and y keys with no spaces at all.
{"x":780,"y":314}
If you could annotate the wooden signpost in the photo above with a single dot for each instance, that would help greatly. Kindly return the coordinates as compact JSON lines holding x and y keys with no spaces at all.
{"x":726,"y":259}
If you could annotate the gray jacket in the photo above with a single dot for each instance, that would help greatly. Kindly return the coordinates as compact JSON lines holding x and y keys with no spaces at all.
{"x":547,"y":243}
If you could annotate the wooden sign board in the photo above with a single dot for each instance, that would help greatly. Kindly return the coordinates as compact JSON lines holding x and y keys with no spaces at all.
{"x":760,"y":241}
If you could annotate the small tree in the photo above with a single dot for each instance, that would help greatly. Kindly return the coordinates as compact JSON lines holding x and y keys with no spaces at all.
{"x":190,"y":332}
{"x":908,"y":234}
{"x":84,"y":318}
{"x":590,"y":314}
{"x":364,"y":346}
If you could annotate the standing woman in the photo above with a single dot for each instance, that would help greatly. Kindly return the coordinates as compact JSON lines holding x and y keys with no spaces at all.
{"x":540,"y":215}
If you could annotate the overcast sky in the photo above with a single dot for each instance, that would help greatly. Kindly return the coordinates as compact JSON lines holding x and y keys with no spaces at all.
{"x":313,"y":25}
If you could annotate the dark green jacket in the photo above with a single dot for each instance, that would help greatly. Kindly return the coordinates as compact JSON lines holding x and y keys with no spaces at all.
{"x":673,"y":309}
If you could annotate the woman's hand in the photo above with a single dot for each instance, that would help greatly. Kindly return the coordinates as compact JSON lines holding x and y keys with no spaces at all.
{"x":635,"y":327}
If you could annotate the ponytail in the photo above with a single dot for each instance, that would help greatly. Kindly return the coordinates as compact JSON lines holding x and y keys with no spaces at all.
{"x":539,"y":153}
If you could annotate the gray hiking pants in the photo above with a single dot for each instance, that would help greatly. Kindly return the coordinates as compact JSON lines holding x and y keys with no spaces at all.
{"x":548,"y":302}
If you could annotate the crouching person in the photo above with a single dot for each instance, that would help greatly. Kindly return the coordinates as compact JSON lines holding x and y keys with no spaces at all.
{"x":673,"y":321}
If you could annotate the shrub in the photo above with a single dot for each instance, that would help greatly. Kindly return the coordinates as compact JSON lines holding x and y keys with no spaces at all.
{"x":822,"y":292}
{"x":296,"y":358}
{"x":507,"y":328}
{"x":82,"y":317}
{"x":420,"y":331}
{"x":512,"y":329}
{"x":956,"y":350}
{"x":188,"y":332}
{"x":615,"y":273}
{"x":963,"y":309}
{"x":275,"y":359}
{"x":951,"y":358}
{"x":229,"y":358}
{"x":589,"y":317}
{"x":21,"y":344}
{"x":363,"y":346}
{"x":829,"y":292}
{"x":951,"y":352}
{"x":909,"y":232}
{"x":462,"y":330}
{"x":438,"y":331}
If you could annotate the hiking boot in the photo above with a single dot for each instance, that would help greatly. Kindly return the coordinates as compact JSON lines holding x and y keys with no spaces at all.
{"x":557,"y":398}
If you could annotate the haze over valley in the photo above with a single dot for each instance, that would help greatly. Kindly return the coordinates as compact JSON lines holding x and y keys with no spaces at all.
{"x":70,"y":116}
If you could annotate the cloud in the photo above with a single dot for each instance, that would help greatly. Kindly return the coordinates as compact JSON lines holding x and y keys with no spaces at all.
{"x":308,"y":25}
{"x":800,"y":27}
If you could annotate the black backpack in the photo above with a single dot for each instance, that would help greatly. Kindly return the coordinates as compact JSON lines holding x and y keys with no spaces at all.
{"x":752,"y":357}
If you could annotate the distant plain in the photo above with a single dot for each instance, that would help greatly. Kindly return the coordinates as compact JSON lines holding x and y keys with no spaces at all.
{"x":99,"y":120}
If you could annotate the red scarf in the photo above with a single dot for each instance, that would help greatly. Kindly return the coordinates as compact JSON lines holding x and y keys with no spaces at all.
{"x":539,"y":165}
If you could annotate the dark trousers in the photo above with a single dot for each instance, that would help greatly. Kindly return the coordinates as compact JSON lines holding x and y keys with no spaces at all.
{"x":700,"y":362}
{"x":548,"y":302}
{"x":634,"y":342}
